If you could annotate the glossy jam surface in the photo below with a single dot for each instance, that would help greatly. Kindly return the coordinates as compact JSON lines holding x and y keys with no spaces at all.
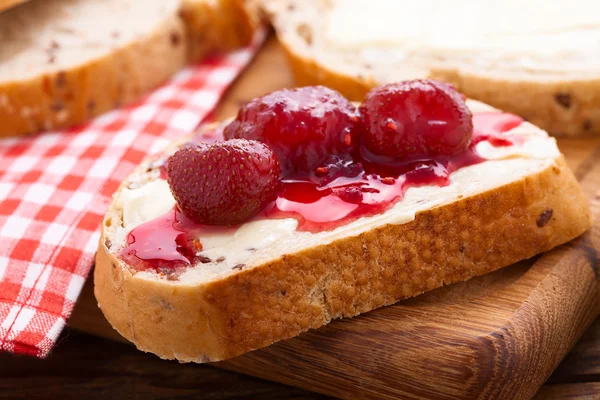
{"x":358,"y":189}
{"x":334,"y":195}
{"x":369,"y":185}
{"x":302,"y":126}
{"x":491,"y":126}
{"x":415,"y":118}
{"x":168,"y":242}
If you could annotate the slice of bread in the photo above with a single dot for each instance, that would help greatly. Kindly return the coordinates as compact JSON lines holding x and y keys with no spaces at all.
{"x":267,"y":281}
{"x":535,"y":59}
{"x":66,"y":61}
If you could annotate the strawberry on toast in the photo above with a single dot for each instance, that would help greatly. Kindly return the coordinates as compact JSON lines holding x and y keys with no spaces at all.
{"x":306,"y":208}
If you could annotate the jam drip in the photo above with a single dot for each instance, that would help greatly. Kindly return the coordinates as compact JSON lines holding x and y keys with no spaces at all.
{"x":167,"y":243}
{"x":358,"y":189}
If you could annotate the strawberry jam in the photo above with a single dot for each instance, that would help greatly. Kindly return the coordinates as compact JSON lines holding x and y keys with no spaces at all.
{"x":346,"y":190}
{"x":488,"y":126}
{"x":168,"y":242}
{"x":358,"y":189}
{"x":340,"y":191}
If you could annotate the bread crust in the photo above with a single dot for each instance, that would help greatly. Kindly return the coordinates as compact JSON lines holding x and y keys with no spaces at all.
{"x":296,"y":292}
{"x":217,"y":26}
{"x":65,"y":98}
{"x":561,"y":107}
{"x":72,"y":96}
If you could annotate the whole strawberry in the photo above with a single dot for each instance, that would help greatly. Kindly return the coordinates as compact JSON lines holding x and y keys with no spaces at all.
{"x":303,"y":126}
{"x":415,"y":119}
{"x":223,"y":183}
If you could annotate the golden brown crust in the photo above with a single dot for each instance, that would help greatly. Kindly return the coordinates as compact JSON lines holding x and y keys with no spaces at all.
{"x":218,"y":26}
{"x":282,"y":298}
{"x":563,"y":108}
{"x":65,"y":98}
{"x":309,"y":72}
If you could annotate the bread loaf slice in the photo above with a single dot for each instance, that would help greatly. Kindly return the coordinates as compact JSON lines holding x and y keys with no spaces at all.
{"x":537,"y":59}
{"x":267,"y":281}
{"x":66,"y":61}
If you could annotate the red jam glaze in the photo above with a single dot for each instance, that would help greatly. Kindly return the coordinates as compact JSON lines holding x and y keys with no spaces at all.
{"x":321,"y":204}
{"x":337,"y":194}
{"x":487,"y":126}
{"x":167,"y":242}
{"x":370,"y":185}
{"x":163,"y":171}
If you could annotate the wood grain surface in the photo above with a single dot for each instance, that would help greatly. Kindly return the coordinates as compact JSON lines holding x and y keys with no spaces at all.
{"x":496,"y":336}
{"x":88,"y":367}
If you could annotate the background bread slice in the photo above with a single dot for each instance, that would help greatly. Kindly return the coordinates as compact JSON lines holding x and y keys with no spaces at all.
{"x":239,"y":311}
{"x":217,"y":25}
{"x":561,"y":102}
{"x":66,"y":61}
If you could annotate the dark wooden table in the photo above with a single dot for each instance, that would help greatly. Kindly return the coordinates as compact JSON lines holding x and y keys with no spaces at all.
{"x":88,"y":367}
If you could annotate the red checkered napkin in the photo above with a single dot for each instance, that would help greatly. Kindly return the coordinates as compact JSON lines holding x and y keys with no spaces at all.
{"x":55,"y":188}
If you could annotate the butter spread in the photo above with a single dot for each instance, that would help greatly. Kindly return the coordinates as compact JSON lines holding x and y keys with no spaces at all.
{"x":145,"y":203}
{"x":544,"y":33}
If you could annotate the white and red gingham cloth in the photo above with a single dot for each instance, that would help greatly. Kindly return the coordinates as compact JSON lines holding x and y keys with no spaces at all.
{"x":56,"y":186}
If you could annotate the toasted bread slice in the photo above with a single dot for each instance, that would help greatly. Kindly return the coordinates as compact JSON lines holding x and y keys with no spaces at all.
{"x":534,"y":59}
{"x":66,"y":61}
{"x":266,"y":281}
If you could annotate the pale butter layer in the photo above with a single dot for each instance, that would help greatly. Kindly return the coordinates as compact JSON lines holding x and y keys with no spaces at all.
{"x":259,"y":241}
{"x":546,"y":35}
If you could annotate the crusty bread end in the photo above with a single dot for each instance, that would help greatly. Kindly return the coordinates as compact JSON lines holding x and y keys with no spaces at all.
{"x":68,"y":97}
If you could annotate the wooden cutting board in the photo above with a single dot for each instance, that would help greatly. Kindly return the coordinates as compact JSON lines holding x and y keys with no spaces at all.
{"x":498,"y":336}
